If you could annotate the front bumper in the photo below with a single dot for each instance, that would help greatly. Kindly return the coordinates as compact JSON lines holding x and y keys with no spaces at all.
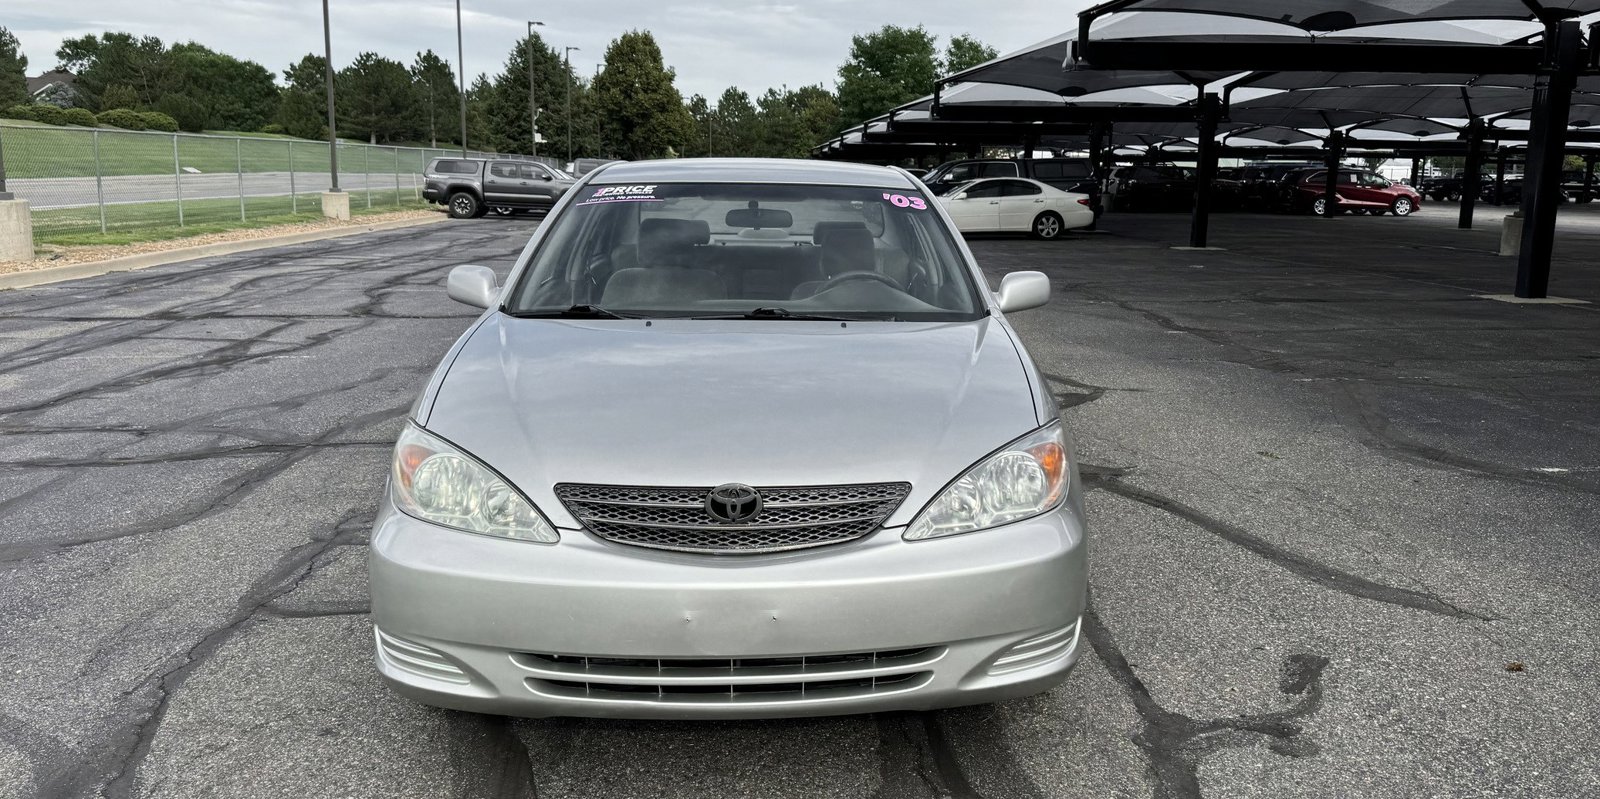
{"x":508,"y":627}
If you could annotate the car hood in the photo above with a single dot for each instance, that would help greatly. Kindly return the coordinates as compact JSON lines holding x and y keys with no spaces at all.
{"x":702,"y":403}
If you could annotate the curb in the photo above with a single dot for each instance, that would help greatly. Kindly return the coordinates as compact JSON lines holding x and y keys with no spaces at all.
{"x":129,"y":263}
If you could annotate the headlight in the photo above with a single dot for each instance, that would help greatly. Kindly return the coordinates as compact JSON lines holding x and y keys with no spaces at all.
{"x":1026,"y":478}
{"x":438,"y":483}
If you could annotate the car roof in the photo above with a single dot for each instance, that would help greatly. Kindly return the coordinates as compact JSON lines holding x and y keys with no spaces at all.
{"x":754,"y":170}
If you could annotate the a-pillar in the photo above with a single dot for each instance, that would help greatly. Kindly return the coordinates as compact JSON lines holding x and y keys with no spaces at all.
{"x":1547,"y":144}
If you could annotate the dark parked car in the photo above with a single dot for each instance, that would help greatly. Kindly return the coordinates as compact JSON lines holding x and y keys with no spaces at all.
{"x":1067,"y":174}
{"x":1151,"y":188}
{"x":1261,"y":187}
{"x":1442,"y":188}
{"x":472,"y":187}
{"x":1359,"y":191}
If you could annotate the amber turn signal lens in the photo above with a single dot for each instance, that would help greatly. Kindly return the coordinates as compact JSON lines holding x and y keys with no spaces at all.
{"x":1053,"y":460}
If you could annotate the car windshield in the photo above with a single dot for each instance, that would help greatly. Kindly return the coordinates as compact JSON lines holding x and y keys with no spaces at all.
{"x":758,"y":250}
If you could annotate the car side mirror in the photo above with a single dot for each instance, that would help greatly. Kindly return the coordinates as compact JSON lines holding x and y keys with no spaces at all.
{"x":472,"y":285}
{"x":1023,"y":291}
{"x":959,"y":196}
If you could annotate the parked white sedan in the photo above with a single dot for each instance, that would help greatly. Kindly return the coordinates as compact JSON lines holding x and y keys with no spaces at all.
{"x":1016,"y":205}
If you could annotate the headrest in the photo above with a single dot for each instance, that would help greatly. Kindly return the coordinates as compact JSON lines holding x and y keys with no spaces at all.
{"x":847,"y":250}
{"x":669,"y":241}
{"x":825,"y":229}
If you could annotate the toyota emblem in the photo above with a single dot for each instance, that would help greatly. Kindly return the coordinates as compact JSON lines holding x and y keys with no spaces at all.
{"x":733,"y":503}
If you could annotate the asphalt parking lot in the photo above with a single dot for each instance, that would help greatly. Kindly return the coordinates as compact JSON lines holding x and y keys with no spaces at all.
{"x":1344,"y":522}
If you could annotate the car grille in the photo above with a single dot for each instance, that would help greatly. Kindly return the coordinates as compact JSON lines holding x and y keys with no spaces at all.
{"x":724,"y":681}
{"x":676,"y":518}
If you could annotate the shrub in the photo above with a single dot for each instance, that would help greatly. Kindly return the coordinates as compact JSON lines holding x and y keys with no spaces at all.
{"x":122,"y":118}
{"x":20,"y":112}
{"x":81,"y":117}
{"x":119,"y":95}
{"x":191,"y":115}
{"x":155,"y":120}
{"x":49,"y":114}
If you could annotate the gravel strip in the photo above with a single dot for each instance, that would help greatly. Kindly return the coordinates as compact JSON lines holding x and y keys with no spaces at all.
{"x":62,"y":256}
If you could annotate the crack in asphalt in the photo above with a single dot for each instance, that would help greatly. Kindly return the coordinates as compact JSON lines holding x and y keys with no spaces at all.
{"x":1175,"y":744}
{"x":115,"y":763}
{"x":229,"y":494}
{"x":111,"y":766}
{"x":1299,"y":565}
{"x":915,"y":759}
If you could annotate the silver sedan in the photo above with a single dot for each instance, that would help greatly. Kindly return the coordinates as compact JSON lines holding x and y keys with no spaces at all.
{"x":735,"y":439}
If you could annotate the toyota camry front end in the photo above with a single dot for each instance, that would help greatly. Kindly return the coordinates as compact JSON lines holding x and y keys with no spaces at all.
{"x":735,"y":439}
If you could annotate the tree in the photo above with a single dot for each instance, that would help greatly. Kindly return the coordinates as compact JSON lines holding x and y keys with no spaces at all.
{"x":700,"y":142}
{"x":437,"y":95}
{"x":119,"y":59}
{"x":13,"y":71}
{"x":303,"y":103}
{"x":235,"y":94}
{"x":375,"y":99}
{"x":886,"y":69}
{"x":480,"y":96}
{"x":964,"y":52}
{"x":816,"y":113}
{"x":508,"y":112}
{"x":642,"y":112}
{"x":735,"y":123}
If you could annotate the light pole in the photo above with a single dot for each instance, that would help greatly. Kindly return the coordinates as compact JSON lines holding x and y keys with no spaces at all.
{"x":567,"y":64}
{"x":599,"y":132}
{"x":461,"y":74}
{"x":533,"y":110}
{"x":333,"y":134}
{"x":4,"y":195}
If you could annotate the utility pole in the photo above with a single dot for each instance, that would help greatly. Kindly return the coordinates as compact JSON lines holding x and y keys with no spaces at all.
{"x":567,"y":67}
{"x":533,"y":109}
{"x":461,"y":65}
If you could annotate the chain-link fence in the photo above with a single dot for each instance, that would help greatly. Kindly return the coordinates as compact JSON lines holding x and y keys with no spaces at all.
{"x":97,"y":181}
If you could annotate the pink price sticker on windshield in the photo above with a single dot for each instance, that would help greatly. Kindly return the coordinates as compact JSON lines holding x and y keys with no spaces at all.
{"x":902,"y":201}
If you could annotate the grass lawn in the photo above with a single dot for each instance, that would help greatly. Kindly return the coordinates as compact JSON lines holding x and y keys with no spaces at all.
{"x":131,"y":224}
{"x":46,"y":151}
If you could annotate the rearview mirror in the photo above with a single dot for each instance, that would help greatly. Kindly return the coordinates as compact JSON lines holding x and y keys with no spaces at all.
{"x":1022,"y":291}
{"x":759,"y":218}
{"x":472,"y":285}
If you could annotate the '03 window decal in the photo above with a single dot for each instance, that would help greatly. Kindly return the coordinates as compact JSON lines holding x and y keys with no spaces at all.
{"x":902,"y":201}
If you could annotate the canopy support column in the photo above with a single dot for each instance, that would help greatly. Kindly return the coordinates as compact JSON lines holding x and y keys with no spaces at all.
{"x":1333,"y":157}
{"x":1588,"y":179}
{"x":1471,"y":176}
{"x":1547,"y":144}
{"x":1205,"y":169}
{"x":1416,"y":172}
{"x":1097,"y":152}
{"x":1500,"y":178}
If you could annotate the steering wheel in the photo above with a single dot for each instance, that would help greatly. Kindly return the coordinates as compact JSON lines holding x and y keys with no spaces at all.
{"x":860,"y":274}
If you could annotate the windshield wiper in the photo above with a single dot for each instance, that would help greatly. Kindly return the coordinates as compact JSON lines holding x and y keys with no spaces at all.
{"x":575,"y":312}
{"x":782,"y":313}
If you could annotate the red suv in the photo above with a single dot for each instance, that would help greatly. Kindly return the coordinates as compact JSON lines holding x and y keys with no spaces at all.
{"x":1359,"y":191}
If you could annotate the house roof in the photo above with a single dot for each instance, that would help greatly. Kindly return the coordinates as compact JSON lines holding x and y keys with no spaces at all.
{"x":42,"y":82}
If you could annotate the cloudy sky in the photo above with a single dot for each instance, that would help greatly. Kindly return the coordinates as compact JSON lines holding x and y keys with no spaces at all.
{"x":753,"y":44}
